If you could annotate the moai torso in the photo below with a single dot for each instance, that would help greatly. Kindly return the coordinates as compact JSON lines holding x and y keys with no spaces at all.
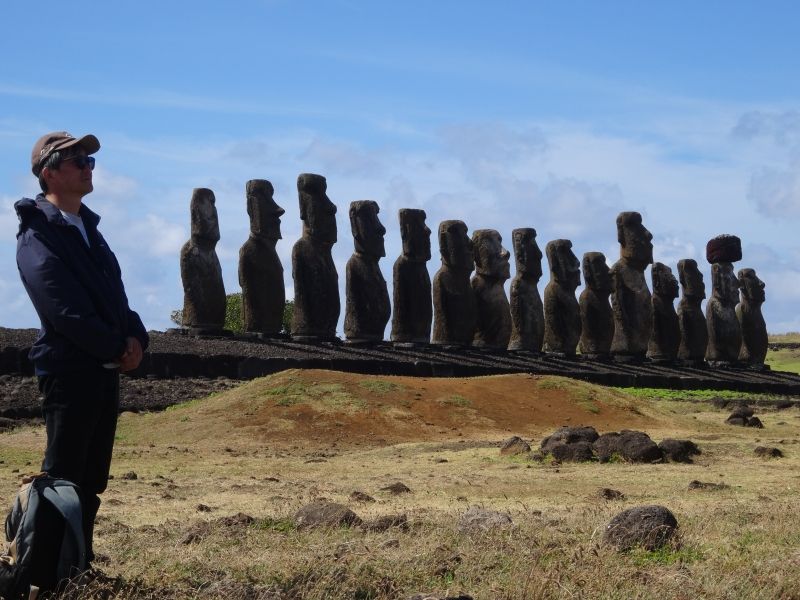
{"x":630,"y":297}
{"x":260,"y":269}
{"x":562,"y":315}
{"x":316,"y":282}
{"x":724,"y":331}
{"x":691,"y":321}
{"x":754,"y":329}
{"x":201,"y":274}
{"x":597,"y":320}
{"x":454,"y":306}
{"x":493,"y":328}
{"x":367,"y":298}
{"x":526,"y":307}
{"x":666,"y":334}
{"x":413,"y":308}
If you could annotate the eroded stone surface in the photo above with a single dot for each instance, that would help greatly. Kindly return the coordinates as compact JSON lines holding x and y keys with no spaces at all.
{"x":201,"y":273}
{"x":316,"y":282}
{"x":691,"y":320}
{"x":493,"y":326}
{"x":724,"y":331}
{"x":260,"y":269}
{"x":562,"y":315}
{"x":748,"y":312}
{"x":412,"y":308}
{"x":630,"y":296}
{"x":454,"y":306}
{"x":649,"y":527}
{"x":367,"y":308}
{"x":527,"y":309}
{"x":666,"y":335}
{"x":597,"y":320}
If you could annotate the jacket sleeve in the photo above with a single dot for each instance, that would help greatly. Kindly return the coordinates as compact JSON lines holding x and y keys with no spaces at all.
{"x":59,"y":299}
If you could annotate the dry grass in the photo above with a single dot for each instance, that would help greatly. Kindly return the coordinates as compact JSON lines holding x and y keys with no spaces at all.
{"x":739,"y":542}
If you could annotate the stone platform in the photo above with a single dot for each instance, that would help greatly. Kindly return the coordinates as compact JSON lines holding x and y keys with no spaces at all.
{"x":240,"y":358}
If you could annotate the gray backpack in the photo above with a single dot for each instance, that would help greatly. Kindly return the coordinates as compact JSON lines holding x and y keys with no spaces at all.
{"x":46,"y":516}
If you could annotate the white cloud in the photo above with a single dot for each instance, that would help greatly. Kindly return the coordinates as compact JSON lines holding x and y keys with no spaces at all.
{"x":776,"y":193}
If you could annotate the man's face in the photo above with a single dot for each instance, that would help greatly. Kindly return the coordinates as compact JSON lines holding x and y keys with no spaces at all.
{"x":492,"y":258}
{"x":369,"y":231}
{"x":416,"y":239}
{"x":692,"y":278}
{"x":68,"y":178}
{"x":596,"y":274}
{"x":752,"y":287}
{"x":529,"y":255}
{"x":638,"y":244}
{"x":458,"y":254}
{"x":726,"y":285}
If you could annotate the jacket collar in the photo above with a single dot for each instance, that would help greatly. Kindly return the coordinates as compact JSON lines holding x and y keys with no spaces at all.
{"x":53,"y":215}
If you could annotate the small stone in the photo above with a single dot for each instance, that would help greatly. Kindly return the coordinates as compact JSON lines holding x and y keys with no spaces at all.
{"x":766,"y":452}
{"x":514,"y":446}
{"x":702,"y":485}
{"x":325,"y":514}
{"x":387,"y":522}
{"x":610,"y":494}
{"x":203,"y":508}
{"x":129,"y":476}
{"x":397,"y":488}
{"x":361,"y":497}
{"x":754,"y":422}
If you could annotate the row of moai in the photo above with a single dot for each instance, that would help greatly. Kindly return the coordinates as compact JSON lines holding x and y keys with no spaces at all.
{"x":616,"y":316}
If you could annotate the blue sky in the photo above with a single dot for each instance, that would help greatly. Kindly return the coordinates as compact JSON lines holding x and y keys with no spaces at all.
{"x":506,"y":114}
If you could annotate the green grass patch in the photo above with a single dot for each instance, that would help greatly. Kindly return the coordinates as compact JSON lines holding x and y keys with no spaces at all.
{"x":333,"y":394}
{"x":665,"y":556}
{"x":691,"y":395}
{"x":784,"y":360}
{"x":380,"y":386}
{"x":456,"y":400}
{"x":277,"y":525}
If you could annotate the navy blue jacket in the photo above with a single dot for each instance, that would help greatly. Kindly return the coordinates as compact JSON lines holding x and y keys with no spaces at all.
{"x":76,"y":290}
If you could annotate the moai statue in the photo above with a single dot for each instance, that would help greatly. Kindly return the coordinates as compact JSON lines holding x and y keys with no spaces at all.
{"x":260,"y":269}
{"x":527,"y":310}
{"x":724,"y":331}
{"x":493,"y":329}
{"x":562,"y":315}
{"x":754,"y":328}
{"x":597,"y":320}
{"x":367,"y":307}
{"x":413,"y":310}
{"x":691,"y":320}
{"x":666,"y":335}
{"x":203,"y":288}
{"x":630,"y":297}
{"x":316,"y":283}
{"x":455,"y":310}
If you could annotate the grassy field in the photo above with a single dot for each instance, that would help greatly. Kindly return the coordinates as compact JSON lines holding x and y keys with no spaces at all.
{"x":271,"y":446}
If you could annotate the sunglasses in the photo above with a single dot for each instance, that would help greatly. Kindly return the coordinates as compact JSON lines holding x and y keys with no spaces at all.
{"x":82,"y":162}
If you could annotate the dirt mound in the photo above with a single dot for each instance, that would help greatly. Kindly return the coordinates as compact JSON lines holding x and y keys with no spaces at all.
{"x":328,"y":407}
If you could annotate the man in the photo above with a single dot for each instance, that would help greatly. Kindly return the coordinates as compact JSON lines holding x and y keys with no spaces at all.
{"x":88,"y":333}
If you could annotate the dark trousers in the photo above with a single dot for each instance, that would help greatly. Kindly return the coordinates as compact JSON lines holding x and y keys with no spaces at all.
{"x":80,"y":412}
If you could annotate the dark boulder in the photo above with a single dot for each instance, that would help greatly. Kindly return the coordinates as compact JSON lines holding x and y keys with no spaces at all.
{"x":514,"y":446}
{"x":678,"y":450}
{"x":575,"y":452}
{"x":325,"y":514}
{"x":649,"y":527}
{"x":766,"y":452}
{"x":754,"y":422}
{"x":569,"y":435}
{"x":631,"y":446}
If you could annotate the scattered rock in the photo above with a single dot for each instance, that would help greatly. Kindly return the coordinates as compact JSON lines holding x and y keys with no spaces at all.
{"x":568,"y":435}
{"x":361,"y":497}
{"x":203,"y":508}
{"x":766,"y":452}
{"x":740,"y":416}
{"x":632,"y":446}
{"x":240,"y":519}
{"x":129,"y":476}
{"x":397,"y":488}
{"x":610,"y":494}
{"x":514,"y":446}
{"x":480,"y":519}
{"x":678,"y":450}
{"x":702,"y":485}
{"x":649,"y":526}
{"x":325,"y":514}
{"x":574,"y":452}
{"x":387,"y":522}
{"x":754,"y":422}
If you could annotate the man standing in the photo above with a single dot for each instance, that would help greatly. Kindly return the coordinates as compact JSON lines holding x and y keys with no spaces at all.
{"x":88,"y":333}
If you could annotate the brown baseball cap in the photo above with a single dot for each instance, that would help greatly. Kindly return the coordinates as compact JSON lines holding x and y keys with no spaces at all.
{"x":59,"y":140}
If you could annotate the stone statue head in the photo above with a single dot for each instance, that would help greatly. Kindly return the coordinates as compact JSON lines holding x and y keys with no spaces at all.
{"x":596,"y":274}
{"x":664,"y":282}
{"x":455,"y":246}
{"x":316,"y":209}
{"x":752,"y":287}
{"x":491,"y":259}
{"x":565,"y":269}
{"x":415,"y":234}
{"x":636,"y":243}
{"x":526,"y":252}
{"x":367,"y":229}
{"x":724,"y":285}
{"x":265,"y":214}
{"x":205,"y":224}
{"x":691,"y":279}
